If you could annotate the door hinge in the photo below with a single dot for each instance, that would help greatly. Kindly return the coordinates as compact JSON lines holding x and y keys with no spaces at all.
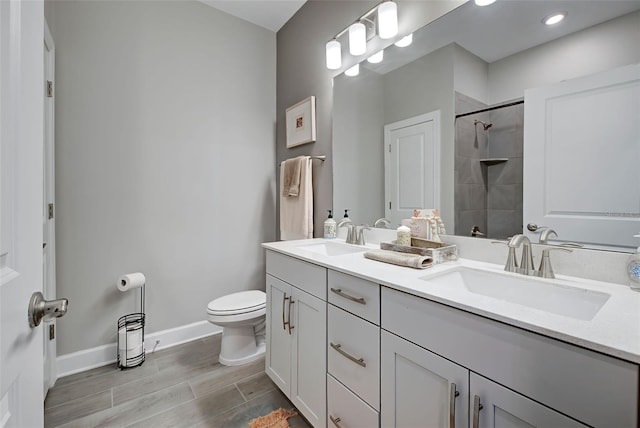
{"x":49,"y":89}
{"x":50,"y":211}
{"x":52,"y":331}
{"x":389,"y":148}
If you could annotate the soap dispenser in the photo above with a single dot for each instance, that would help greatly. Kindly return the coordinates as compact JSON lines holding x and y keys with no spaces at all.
{"x":330,"y":227}
{"x":633,"y":269}
{"x":346,"y":214}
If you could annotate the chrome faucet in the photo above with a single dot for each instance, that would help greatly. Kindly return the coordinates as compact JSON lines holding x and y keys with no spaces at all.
{"x":545,"y":270}
{"x":360,"y":234}
{"x":526,"y":260}
{"x":384,"y":221}
{"x":546,"y":234}
{"x":351,"y":232}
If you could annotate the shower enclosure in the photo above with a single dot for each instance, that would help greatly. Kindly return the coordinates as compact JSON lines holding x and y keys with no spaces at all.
{"x":488,"y":168}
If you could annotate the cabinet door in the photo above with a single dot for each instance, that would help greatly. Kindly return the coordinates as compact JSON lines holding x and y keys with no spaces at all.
{"x":503,"y":408}
{"x":278,"y":355}
{"x":309,"y":357}
{"x":419,"y":388}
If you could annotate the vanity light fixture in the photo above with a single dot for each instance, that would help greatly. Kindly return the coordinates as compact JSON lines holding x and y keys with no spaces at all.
{"x":484,"y":2}
{"x":357,"y":39}
{"x":353,"y":71}
{"x":334,"y":55}
{"x":405,"y":41}
{"x":387,"y":20}
{"x":376,"y":57}
{"x":554,"y":18}
{"x":384,"y":16}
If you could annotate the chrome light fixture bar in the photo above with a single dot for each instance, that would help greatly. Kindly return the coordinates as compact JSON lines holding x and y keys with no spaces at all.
{"x":384,"y":16}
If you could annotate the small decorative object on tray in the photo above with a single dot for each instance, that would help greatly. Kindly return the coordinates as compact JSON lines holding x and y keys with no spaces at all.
{"x":439,"y":251}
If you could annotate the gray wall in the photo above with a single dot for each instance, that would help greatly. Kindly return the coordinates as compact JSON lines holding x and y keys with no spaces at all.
{"x":165,"y":160}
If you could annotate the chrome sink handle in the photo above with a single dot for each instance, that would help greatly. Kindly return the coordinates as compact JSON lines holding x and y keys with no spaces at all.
{"x":526,"y":261}
{"x":351,"y":238}
{"x":511,"y":265}
{"x":359,"y":240}
{"x":545,"y":270}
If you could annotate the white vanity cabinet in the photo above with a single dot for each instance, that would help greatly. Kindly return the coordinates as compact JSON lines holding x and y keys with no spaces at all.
{"x":296,"y":333}
{"x":520,"y":378}
{"x":353,"y":352}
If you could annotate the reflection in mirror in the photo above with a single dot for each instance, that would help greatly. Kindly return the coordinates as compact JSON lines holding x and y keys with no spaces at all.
{"x":471,"y":60}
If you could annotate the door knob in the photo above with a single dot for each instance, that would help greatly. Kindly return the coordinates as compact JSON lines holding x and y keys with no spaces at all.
{"x":40,"y":309}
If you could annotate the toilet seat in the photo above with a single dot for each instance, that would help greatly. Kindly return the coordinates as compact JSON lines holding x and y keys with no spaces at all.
{"x":242,"y":305}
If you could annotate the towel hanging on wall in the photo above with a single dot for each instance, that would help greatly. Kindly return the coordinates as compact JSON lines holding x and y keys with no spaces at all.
{"x":296,"y":213}
{"x":291,"y":176}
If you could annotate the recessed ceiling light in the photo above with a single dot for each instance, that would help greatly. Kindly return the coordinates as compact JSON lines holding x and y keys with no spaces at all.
{"x":484,"y":2}
{"x":554,"y":18}
{"x":376,"y":57}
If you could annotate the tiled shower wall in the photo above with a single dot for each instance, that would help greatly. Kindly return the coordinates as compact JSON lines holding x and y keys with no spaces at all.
{"x":487,"y":194}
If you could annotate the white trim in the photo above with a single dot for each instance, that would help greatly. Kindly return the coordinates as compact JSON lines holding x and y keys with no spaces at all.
{"x":105,"y":354}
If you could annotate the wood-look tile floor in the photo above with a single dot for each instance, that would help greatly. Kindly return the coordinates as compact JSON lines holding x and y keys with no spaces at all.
{"x":182,"y":386}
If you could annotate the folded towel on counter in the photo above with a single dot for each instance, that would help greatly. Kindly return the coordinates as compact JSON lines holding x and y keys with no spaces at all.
{"x":291,"y":176}
{"x":401,"y":259}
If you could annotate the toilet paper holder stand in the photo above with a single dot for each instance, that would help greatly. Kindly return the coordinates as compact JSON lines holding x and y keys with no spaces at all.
{"x":130,"y":352}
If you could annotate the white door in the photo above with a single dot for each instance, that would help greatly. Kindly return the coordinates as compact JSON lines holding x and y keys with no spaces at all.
{"x":419,"y":388}
{"x":278,"y":335}
{"x":494,"y":406}
{"x":412,"y":166}
{"x":581,"y":157}
{"x":48,"y":218}
{"x":309,"y":357}
{"x":21,"y":130}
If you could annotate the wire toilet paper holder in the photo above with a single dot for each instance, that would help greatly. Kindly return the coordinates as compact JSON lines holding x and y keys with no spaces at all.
{"x":130,"y":349}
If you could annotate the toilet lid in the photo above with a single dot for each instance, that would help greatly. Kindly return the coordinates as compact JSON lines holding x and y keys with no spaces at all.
{"x":243,"y":301}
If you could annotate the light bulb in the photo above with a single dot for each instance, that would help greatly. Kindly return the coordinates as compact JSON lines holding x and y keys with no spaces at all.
{"x":357,"y":39}
{"x":554,"y":18}
{"x":405,"y":41}
{"x":353,"y":71}
{"x":376,"y":57}
{"x":334,"y":55}
{"x":484,"y":2}
{"x":387,"y":20}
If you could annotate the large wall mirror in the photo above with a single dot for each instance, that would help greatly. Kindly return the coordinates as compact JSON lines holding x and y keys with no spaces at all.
{"x":466,"y":83}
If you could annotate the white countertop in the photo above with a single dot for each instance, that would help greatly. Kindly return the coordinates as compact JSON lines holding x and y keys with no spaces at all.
{"x":614,"y":330}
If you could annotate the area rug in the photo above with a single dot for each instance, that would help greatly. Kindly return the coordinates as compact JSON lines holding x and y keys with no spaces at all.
{"x":276,"y":419}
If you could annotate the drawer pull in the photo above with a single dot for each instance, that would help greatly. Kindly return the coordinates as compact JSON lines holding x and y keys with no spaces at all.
{"x":339,"y":292}
{"x":336,"y":421}
{"x":476,"y":411}
{"x":358,"y":361}
{"x":452,"y":405}
{"x":284,"y":302}
{"x":291,"y":302}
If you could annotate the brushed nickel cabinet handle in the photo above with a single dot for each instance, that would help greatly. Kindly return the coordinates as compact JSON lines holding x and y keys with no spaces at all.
{"x":358,"y":361}
{"x":291,"y":302}
{"x":336,"y":421}
{"x":452,"y":405}
{"x":284,"y":302}
{"x":476,"y":411}
{"x":339,"y":292}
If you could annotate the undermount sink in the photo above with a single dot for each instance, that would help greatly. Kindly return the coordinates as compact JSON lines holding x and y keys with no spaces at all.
{"x":332,"y":248}
{"x":574,"y":302}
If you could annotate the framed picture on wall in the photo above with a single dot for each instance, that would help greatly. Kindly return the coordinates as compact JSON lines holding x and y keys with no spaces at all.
{"x":301,"y":122}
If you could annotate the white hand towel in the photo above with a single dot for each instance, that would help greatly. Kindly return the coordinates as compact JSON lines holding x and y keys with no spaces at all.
{"x":296,"y":214}
{"x":291,"y":176}
{"x":401,"y":259}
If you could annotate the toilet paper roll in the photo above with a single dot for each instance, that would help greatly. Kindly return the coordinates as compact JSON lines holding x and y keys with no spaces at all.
{"x":129,"y":339}
{"x":131,"y":280}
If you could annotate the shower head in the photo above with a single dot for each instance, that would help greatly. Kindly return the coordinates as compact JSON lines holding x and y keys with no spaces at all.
{"x":485,"y":125}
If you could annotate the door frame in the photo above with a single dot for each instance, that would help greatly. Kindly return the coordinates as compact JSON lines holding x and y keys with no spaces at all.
{"x":49,"y":229}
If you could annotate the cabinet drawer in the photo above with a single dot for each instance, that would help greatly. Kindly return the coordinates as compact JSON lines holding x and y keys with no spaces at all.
{"x":355,"y":295}
{"x":347,"y":409}
{"x":306,"y":276}
{"x":353,"y":354}
{"x":590,"y":387}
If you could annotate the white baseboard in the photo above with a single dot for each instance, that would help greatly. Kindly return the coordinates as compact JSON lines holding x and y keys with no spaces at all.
{"x":101,"y":355}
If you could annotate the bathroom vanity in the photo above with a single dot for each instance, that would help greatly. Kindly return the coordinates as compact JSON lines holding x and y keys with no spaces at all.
{"x":461,"y":344}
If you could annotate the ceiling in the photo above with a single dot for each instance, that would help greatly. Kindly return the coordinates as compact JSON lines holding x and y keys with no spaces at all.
{"x":270,"y":14}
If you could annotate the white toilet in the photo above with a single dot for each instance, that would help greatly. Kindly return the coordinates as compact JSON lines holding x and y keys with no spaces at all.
{"x":242,"y":318}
